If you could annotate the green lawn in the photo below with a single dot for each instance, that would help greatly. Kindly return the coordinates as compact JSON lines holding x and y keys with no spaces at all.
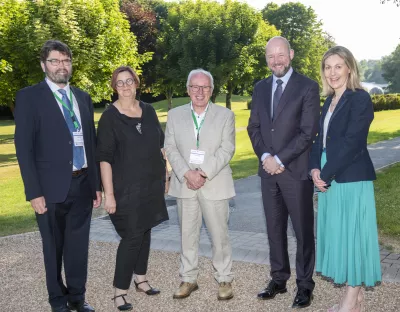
{"x":387,"y":194}
{"x":16,"y":216}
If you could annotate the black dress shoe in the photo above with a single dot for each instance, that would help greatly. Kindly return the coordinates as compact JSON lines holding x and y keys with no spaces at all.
{"x":150,"y":292}
{"x":62,"y":308}
{"x":272,"y":290}
{"x":303,"y":298}
{"x":81,"y":306}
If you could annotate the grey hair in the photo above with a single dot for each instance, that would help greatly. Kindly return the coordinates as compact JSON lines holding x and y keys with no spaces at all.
{"x":200,"y":71}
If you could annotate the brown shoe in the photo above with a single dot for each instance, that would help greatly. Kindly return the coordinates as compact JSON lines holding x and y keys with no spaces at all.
{"x":225,"y":291}
{"x":185,"y":289}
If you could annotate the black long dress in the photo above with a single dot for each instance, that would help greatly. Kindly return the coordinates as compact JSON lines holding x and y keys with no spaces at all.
{"x":133,"y":148}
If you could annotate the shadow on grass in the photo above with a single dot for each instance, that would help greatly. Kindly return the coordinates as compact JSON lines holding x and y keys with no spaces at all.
{"x":244,"y":167}
{"x":17,"y":224}
{"x":376,"y":136}
{"x":6,"y":138}
{"x":8,"y":160}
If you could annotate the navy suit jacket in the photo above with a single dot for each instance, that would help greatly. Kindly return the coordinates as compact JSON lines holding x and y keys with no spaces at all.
{"x":347,"y":155}
{"x":290,"y":134}
{"x":44,"y":144}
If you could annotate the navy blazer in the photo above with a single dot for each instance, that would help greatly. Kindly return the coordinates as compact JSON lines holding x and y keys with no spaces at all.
{"x":347,"y":155}
{"x":295,"y":124}
{"x":44,"y":145}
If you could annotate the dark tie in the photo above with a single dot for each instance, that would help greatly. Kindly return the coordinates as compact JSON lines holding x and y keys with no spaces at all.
{"x":78,"y":157}
{"x":277,"y":97}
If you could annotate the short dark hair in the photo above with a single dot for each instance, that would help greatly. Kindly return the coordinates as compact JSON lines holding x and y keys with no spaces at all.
{"x":54,"y":45}
{"x":120,"y":70}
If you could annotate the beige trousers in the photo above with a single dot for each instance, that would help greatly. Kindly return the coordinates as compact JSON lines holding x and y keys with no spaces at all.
{"x":216,"y":215}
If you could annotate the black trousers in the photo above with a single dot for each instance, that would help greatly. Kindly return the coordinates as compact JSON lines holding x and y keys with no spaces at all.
{"x":284,"y":196}
{"x":133,"y":251}
{"x":65,"y":235}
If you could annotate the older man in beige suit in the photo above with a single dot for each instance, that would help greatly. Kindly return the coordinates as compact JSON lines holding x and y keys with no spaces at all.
{"x":199,"y":143}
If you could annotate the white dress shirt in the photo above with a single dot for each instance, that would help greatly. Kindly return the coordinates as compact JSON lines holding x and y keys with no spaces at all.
{"x":326,"y":124}
{"x":55,"y":88}
{"x":199,"y":118}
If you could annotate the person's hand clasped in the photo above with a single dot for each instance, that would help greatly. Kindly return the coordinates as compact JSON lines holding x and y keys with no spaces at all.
{"x":318,"y":182}
{"x":39,"y":205}
{"x":109,"y":204}
{"x":195,"y":179}
{"x":271,"y":166}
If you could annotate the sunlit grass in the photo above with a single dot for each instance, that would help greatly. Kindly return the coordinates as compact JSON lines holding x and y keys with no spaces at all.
{"x":16,"y":216}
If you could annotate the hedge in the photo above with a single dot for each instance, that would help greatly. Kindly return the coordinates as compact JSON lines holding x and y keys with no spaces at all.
{"x":381,"y":102}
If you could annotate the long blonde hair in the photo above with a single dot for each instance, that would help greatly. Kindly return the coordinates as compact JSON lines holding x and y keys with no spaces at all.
{"x":354,"y":77}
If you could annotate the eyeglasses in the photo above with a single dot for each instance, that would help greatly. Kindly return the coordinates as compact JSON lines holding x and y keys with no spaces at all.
{"x":197,"y":88}
{"x":128,"y":82}
{"x":55,"y":62}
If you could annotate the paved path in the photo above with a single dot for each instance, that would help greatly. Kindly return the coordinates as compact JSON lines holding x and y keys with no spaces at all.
{"x":247,"y":222}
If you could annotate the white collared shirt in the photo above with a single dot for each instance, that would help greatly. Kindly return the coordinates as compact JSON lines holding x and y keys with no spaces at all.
{"x":199,"y":118}
{"x":55,"y":88}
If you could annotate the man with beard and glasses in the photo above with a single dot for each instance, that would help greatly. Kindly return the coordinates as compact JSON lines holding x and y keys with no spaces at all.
{"x":55,"y":142}
{"x":283,"y":121}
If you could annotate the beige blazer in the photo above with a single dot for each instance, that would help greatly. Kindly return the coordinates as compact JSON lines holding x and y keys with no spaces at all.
{"x":217,"y":140}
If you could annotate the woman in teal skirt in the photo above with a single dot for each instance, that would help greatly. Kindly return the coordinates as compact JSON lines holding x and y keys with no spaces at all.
{"x":342,"y":171}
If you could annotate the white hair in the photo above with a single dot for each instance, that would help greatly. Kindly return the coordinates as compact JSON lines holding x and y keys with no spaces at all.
{"x":200,"y":71}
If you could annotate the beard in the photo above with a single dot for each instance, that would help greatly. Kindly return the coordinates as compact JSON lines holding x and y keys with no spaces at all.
{"x":281,"y":73}
{"x":59,"y":75}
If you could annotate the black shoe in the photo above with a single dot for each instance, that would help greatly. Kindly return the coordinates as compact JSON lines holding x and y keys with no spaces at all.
{"x":272,"y":290}
{"x":81,"y":306}
{"x":150,"y":292}
{"x":303,"y":298}
{"x":62,"y":308}
{"x":124,"y":307}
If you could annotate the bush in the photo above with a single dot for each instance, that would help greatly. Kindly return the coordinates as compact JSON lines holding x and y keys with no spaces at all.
{"x":386,"y":102}
{"x":381,"y":101}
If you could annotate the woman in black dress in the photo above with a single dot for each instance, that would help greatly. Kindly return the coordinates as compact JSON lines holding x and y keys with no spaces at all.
{"x":129,"y":149}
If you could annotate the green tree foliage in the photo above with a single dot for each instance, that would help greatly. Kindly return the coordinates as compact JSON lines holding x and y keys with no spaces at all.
{"x":391,"y":70}
{"x":95,"y":30}
{"x":228,"y":40}
{"x":144,"y":25}
{"x":299,"y":24}
{"x":371,"y":71}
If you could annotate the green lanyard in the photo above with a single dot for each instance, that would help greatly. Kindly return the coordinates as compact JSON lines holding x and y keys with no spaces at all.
{"x":198,"y":127}
{"x":71,"y":112}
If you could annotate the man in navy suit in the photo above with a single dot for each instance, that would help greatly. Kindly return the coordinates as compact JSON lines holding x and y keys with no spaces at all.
{"x":283,"y":120}
{"x":55,"y":142}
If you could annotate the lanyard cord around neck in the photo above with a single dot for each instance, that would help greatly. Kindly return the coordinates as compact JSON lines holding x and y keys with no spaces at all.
{"x":198,"y":127}
{"x":70,"y":110}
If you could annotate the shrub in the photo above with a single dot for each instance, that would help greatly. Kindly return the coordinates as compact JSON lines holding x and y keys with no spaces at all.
{"x":381,"y":101}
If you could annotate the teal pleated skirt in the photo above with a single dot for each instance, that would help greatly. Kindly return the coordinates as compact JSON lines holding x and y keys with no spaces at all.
{"x":347,"y":237}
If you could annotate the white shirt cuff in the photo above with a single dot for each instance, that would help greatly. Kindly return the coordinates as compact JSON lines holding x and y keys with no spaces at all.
{"x":263,"y":156}
{"x":278,"y":161}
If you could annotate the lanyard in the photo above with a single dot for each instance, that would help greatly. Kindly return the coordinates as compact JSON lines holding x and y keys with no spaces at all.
{"x":198,"y":127}
{"x":71,"y":112}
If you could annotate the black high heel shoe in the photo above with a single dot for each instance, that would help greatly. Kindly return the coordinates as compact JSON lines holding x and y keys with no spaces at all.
{"x":124,"y":307}
{"x":151,"y":292}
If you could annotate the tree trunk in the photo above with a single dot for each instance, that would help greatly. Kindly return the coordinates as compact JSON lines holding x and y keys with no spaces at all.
{"x":12,"y":107}
{"x":229,"y":89}
{"x":169,"y":99}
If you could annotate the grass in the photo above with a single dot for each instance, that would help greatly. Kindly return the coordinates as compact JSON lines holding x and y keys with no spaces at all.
{"x":387,"y":198}
{"x":16,"y":216}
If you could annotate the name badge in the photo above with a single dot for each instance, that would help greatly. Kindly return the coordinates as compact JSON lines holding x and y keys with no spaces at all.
{"x":196,"y":157}
{"x":78,"y":138}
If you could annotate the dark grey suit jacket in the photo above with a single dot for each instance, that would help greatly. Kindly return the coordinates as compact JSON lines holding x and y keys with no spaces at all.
{"x":290,"y":134}
{"x":44,"y":144}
